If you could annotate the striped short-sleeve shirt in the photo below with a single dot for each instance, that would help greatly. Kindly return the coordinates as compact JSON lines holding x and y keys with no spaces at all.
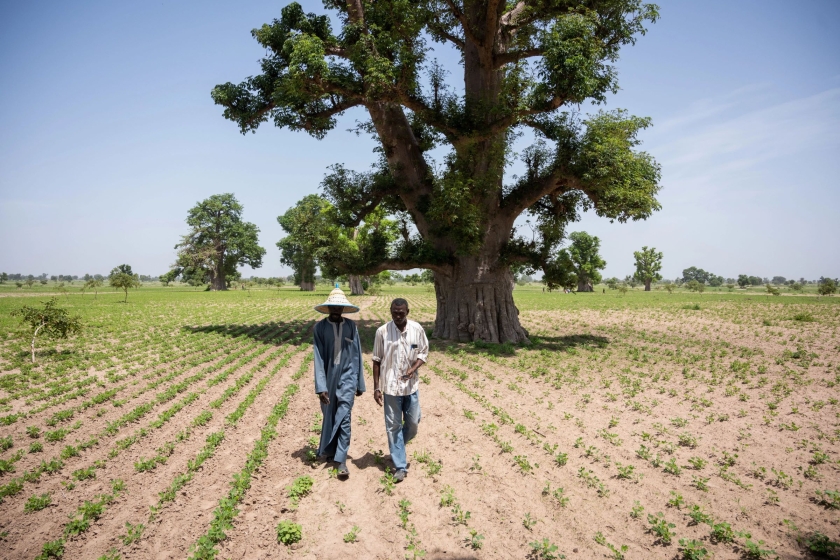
{"x":396,"y":351}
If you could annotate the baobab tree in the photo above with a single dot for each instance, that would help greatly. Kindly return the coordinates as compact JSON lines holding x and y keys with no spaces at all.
{"x":527,"y":66}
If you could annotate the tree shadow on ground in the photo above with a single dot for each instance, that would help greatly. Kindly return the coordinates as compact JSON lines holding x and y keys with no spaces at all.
{"x":273,"y":333}
{"x":549,"y":343}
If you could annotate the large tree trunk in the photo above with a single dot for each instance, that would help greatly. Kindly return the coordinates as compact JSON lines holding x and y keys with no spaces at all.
{"x":217,"y":281}
{"x":307,"y":286}
{"x":476,"y":303}
{"x":647,"y":285}
{"x":585,"y":286}
{"x":356,"y":287}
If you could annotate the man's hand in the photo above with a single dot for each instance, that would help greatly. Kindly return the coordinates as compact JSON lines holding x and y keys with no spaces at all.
{"x":359,"y":393}
{"x":377,"y":396}
{"x":409,"y":374}
{"x":325,"y":397}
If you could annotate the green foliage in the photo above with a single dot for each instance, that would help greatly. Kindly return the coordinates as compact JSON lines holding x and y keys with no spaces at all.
{"x":555,"y":60}
{"x":648,"y":265}
{"x":37,"y":503}
{"x":544,"y":550}
{"x":661,"y":528}
{"x":218,"y":242}
{"x":50,"y":320}
{"x":122,"y":278}
{"x":132,"y":533}
{"x":693,"y":550}
{"x":51,"y":549}
{"x":353,"y":535}
{"x":289,"y":532}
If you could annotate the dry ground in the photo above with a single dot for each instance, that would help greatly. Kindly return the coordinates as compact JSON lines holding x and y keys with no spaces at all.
{"x":723,"y":417}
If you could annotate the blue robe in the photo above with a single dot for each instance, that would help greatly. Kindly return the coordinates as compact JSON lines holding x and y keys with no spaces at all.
{"x":341,"y":383}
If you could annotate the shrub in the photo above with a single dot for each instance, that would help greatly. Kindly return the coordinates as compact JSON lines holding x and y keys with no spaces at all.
{"x":288,"y":532}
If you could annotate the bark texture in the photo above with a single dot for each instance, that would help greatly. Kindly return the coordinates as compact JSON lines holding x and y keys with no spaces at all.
{"x":474,"y":303}
{"x":356,"y":287}
{"x":585,"y":286}
{"x":647,"y":285}
{"x":307,"y":286}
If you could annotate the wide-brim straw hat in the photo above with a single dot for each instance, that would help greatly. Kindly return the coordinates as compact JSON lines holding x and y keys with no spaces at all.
{"x":337,"y":297}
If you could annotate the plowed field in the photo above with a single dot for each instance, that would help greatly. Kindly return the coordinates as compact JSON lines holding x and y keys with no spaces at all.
{"x":650,"y":425}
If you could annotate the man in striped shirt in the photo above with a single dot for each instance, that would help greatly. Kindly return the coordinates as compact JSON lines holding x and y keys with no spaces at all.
{"x":400,"y":348}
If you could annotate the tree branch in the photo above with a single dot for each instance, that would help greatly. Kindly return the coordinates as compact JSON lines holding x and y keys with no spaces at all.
{"x":501,"y":59}
{"x":465,"y":24}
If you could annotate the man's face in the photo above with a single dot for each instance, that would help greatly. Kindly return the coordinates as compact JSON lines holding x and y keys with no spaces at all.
{"x":399,"y":313}
{"x":335,"y":312}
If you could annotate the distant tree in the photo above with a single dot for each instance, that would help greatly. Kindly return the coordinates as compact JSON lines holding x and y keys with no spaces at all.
{"x":87,"y":277}
{"x":412,"y":279}
{"x":772,"y":290}
{"x":49,"y":320}
{"x":19,"y":284}
{"x":826,"y":286}
{"x":730,"y":286}
{"x":796,"y":287}
{"x":715,"y":281}
{"x":4,"y":277}
{"x":695,"y":286}
{"x":778,"y":280}
{"x":669,"y":288}
{"x":310,"y":226}
{"x":92,"y":284}
{"x":43,"y":281}
{"x":586,"y":263}
{"x":219,"y":241}
{"x":169,"y":277}
{"x":123,"y":278}
{"x":743,"y":280}
{"x":648,"y":265}
{"x":755,"y":281}
{"x":29,"y":282}
{"x":698,"y":274}
{"x":612,"y":283}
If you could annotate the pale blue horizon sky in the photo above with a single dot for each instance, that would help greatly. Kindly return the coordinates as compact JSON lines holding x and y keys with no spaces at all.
{"x":108,"y":136}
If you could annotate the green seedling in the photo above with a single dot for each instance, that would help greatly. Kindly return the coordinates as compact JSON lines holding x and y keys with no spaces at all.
{"x":353,"y":535}
{"x":693,"y":550}
{"x":299,"y":488}
{"x":459,"y":516}
{"x":404,"y":506}
{"x":388,"y":481}
{"x":447,"y":498}
{"x":637,"y":510}
{"x":661,"y":528}
{"x":37,"y":503}
{"x":529,"y":521}
{"x":474,"y":541}
{"x":132,"y":533}
{"x":544,"y":550}
{"x":676,"y":500}
{"x":289,"y":532}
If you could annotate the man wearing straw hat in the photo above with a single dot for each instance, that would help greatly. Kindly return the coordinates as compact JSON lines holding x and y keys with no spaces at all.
{"x":339,"y":376}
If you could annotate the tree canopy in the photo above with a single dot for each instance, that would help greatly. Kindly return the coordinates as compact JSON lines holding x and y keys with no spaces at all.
{"x":122,"y":278}
{"x":527,"y":67}
{"x":49,"y":320}
{"x":648,"y":265}
{"x":584,"y":260}
{"x":218,"y":243}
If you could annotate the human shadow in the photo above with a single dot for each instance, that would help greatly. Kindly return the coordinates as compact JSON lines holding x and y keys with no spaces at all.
{"x":273,"y":333}
{"x":370,"y":460}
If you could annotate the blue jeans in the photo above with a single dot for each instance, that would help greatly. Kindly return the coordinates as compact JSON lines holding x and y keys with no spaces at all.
{"x":402,"y":415}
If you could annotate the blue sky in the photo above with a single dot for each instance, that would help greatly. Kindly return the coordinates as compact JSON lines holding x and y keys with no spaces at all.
{"x":108,"y":135}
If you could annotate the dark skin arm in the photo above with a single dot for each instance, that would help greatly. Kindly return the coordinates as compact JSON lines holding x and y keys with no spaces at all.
{"x":377,"y":394}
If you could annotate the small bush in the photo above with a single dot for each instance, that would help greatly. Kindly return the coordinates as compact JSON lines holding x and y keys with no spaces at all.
{"x":288,"y":532}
